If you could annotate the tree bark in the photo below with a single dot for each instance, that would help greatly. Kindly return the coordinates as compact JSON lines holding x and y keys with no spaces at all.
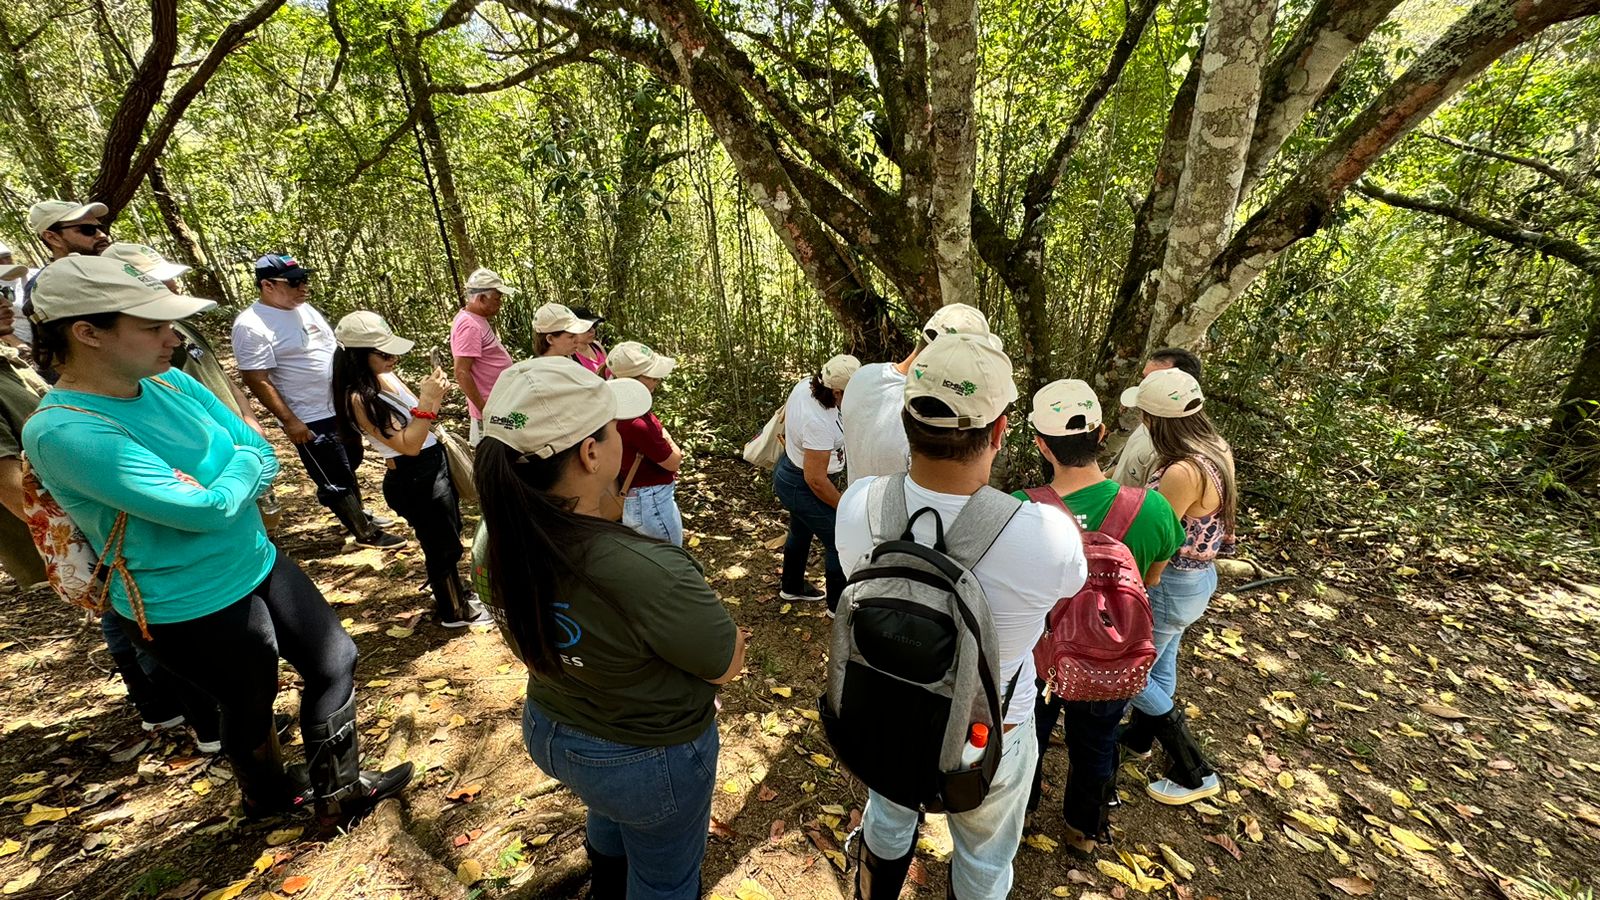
{"x":953,"y":142}
{"x":1238,"y":37}
{"x":1486,"y":32}
{"x":455,"y":218}
{"x":203,"y":280}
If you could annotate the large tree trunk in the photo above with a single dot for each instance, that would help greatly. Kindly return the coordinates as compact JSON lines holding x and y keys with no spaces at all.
{"x":203,"y":280}
{"x":438,"y":157}
{"x":1574,"y":436}
{"x":952,"y":75}
{"x":1238,"y":36}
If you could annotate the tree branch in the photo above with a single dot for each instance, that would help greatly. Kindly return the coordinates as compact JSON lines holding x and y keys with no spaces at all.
{"x":138,"y":99}
{"x":453,"y":15}
{"x":340,"y":39}
{"x":532,"y":70}
{"x":1500,"y":229}
{"x":1575,"y":184}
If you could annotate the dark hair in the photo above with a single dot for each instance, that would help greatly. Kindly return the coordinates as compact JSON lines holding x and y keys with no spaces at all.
{"x":352,"y":374}
{"x":541,"y":342}
{"x":1075,"y":451}
{"x":928,"y":441}
{"x":50,"y":341}
{"x":822,"y":393}
{"x":536,"y":545}
{"x":1178,"y":358}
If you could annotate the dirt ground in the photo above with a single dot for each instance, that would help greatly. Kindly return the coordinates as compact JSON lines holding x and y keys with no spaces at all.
{"x":1392,"y":727}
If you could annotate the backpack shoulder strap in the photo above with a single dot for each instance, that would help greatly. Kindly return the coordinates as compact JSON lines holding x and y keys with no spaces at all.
{"x":1123,"y":511}
{"x":979,"y":525}
{"x":1047,"y":495}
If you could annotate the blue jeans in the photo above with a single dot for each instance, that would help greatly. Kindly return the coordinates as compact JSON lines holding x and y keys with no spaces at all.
{"x":808,"y":517}
{"x":649,"y":804}
{"x":653,"y":512}
{"x":985,"y":838}
{"x":1176,"y":603}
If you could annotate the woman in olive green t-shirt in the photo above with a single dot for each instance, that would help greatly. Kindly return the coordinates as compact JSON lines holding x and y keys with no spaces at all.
{"x":624,"y":641}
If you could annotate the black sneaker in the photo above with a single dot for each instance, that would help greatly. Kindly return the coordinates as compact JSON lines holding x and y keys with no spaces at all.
{"x":808,"y":591}
{"x":383,"y":540}
{"x":476,"y":614}
{"x":379,"y":521}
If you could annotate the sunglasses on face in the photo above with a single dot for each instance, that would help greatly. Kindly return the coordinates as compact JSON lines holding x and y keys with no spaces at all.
{"x":292,"y":282}
{"x":86,"y":229}
{"x":386,"y":357}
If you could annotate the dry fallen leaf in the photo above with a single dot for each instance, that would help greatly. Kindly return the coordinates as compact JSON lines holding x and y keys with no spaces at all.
{"x":295,"y":884}
{"x":1226,"y":843}
{"x":1411,"y":839}
{"x":47,"y":814}
{"x":766,"y":794}
{"x":1355,"y":887}
{"x":22,"y":882}
{"x":284,"y":835}
{"x":466,"y":794}
{"x":470,"y":872}
{"x":722,"y":831}
{"x":1443,"y":712}
{"x":776,"y":831}
{"x":229,"y":892}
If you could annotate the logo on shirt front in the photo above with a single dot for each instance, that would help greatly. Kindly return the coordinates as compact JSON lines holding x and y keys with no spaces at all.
{"x":512,"y":420}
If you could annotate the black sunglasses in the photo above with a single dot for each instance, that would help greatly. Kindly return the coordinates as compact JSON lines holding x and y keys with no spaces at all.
{"x":386,"y":357}
{"x":296,"y":282}
{"x":85,"y":229}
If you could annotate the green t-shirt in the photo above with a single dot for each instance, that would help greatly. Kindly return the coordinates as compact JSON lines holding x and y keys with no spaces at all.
{"x":16,"y":404}
{"x":635,"y":661}
{"x":1155,"y":535}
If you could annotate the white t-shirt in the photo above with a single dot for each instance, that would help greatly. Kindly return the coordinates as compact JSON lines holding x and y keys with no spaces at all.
{"x":20,"y":326}
{"x":807,"y":426}
{"x":397,"y":395}
{"x":874,"y":437}
{"x":1037,"y":560}
{"x":295,"y":347}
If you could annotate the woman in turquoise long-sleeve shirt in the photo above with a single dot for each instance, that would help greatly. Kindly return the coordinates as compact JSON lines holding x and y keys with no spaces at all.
{"x":215,"y":602}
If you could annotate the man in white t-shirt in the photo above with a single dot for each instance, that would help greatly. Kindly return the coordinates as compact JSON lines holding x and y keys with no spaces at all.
{"x":955,"y":402}
{"x":1137,"y":458}
{"x":13,"y":279}
{"x":874,"y":442}
{"x":284,"y":348}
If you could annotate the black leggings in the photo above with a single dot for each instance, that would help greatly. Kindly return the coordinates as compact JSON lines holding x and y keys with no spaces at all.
{"x":420,"y":490}
{"x":232,"y":654}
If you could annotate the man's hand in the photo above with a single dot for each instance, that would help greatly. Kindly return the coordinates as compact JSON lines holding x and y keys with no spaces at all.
{"x":298,"y":432}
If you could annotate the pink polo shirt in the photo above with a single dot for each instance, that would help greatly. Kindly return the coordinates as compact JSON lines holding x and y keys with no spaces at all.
{"x":472,"y":337}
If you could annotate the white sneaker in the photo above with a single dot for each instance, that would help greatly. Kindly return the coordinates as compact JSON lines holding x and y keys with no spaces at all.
{"x":1174,"y":794}
{"x":477,"y":614}
{"x":173,"y":722}
{"x":209,"y":746}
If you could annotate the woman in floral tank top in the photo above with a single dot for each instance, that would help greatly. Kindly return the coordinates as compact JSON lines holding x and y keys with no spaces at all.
{"x":1194,"y":472}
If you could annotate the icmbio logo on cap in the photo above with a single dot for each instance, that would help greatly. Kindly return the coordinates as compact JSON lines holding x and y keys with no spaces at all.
{"x":512,"y":420}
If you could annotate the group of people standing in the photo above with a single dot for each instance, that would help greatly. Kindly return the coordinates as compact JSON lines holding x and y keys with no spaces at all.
{"x":579,"y":556}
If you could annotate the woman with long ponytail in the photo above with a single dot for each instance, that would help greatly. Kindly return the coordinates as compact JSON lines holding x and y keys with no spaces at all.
{"x":624,"y":641}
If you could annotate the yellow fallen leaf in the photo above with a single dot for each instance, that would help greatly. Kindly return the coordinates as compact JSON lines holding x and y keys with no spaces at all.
{"x":22,"y":882}
{"x":811,"y":714}
{"x":1411,"y":839}
{"x":263,"y":863}
{"x":1399,"y":798}
{"x":1117,"y":871}
{"x":1318,"y":824}
{"x":732,"y":786}
{"x":29,"y":778}
{"x":1180,"y":867}
{"x":539,"y":840}
{"x":25,"y":796}
{"x":749,"y":889}
{"x":9,"y":847}
{"x":435,"y":684}
{"x":399,"y":632}
{"x":784,"y":692}
{"x":470,"y":872}
{"x":378,"y":683}
{"x":201,"y":786}
{"x":284,"y":836}
{"x":47,"y":814}
{"x":820,"y":761}
{"x":229,"y":892}
{"x":1285,"y":780}
{"x":1042,"y":843}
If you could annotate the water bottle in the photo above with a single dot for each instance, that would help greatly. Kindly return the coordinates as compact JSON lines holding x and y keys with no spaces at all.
{"x":977,"y":742}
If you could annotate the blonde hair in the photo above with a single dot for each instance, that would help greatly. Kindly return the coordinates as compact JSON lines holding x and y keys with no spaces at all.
{"x":1194,"y":436}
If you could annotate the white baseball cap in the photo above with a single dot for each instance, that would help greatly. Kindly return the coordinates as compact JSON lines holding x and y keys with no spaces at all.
{"x":86,"y":285}
{"x":145,"y":259}
{"x":12,"y":273}
{"x":967,"y":374}
{"x":46,"y":213}
{"x":836,"y":372}
{"x":1058,"y":404}
{"x":487,"y":280}
{"x":631,"y":359}
{"x":364,"y":328}
{"x":553,"y":317}
{"x":1167,"y":394}
{"x":544,"y":405}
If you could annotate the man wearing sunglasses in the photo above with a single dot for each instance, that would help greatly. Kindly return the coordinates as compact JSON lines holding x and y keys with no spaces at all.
{"x":284,"y":348}
{"x":67,"y":227}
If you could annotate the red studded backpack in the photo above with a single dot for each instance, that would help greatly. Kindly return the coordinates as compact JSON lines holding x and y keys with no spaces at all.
{"x":1098,"y":644}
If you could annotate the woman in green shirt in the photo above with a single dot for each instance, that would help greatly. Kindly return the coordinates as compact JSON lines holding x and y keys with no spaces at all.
{"x":624,"y":641}
{"x":158,"y":464}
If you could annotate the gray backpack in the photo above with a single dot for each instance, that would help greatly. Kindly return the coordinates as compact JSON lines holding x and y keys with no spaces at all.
{"x":913,"y":663}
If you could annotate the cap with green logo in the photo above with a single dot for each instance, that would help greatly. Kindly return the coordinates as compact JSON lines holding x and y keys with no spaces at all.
{"x":1166,"y":394}
{"x":86,"y":285}
{"x":967,"y":374}
{"x":1068,"y":406}
{"x":145,"y":259}
{"x":836,"y":372}
{"x":364,"y":328}
{"x":631,"y":359}
{"x":544,"y":405}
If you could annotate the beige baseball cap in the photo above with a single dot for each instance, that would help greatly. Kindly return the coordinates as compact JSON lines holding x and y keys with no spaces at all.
{"x":487,"y":280}
{"x":1167,"y":394}
{"x":967,"y":374}
{"x":53,"y":212}
{"x":145,"y":259}
{"x":553,"y":317}
{"x":364,"y":328}
{"x":631,"y":359}
{"x":544,"y":405}
{"x":12,"y":273}
{"x":1059,"y":403}
{"x":86,"y":285}
{"x":836,"y":372}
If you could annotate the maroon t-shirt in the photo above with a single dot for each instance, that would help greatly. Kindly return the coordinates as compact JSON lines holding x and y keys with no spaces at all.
{"x":643,"y":437}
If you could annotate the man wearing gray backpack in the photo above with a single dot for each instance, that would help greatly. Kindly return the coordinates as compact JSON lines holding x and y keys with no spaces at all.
{"x":1023,"y":557}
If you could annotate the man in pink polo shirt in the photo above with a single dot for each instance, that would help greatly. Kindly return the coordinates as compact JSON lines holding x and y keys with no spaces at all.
{"x":479,"y":355}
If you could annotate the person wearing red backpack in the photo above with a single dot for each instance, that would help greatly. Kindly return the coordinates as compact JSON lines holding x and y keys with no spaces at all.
{"x":1070,"y":435}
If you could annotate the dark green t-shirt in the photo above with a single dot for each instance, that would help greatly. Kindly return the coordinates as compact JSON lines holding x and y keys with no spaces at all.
{"x":1155,"y":535}
{"x":635,"y":661}
{"x":16,"y":404}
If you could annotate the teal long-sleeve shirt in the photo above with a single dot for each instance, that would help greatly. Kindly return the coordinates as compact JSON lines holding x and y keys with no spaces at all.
{"x":185,"y":469}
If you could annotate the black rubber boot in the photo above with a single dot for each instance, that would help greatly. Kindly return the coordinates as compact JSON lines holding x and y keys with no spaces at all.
{"x":878,"y":878}
{"x":1083,"y":805}
{"x":1138,"y":736}
{"x":266,"y":789}
{"x":345,"y":793}
{"x":608,"y":875}
{"x":1188,"y":766}
{"x":347,"y":509}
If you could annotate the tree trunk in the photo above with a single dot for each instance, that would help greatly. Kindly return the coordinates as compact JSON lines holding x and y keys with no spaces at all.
{"x":952,"y":75}
{"x":455,"y":219}
{"x":1238,"y":36}
{"x":1574,"y":435}
{"x":203,"y":280}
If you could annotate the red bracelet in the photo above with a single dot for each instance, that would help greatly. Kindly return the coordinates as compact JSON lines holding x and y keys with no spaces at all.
{"x":420,"y":413}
